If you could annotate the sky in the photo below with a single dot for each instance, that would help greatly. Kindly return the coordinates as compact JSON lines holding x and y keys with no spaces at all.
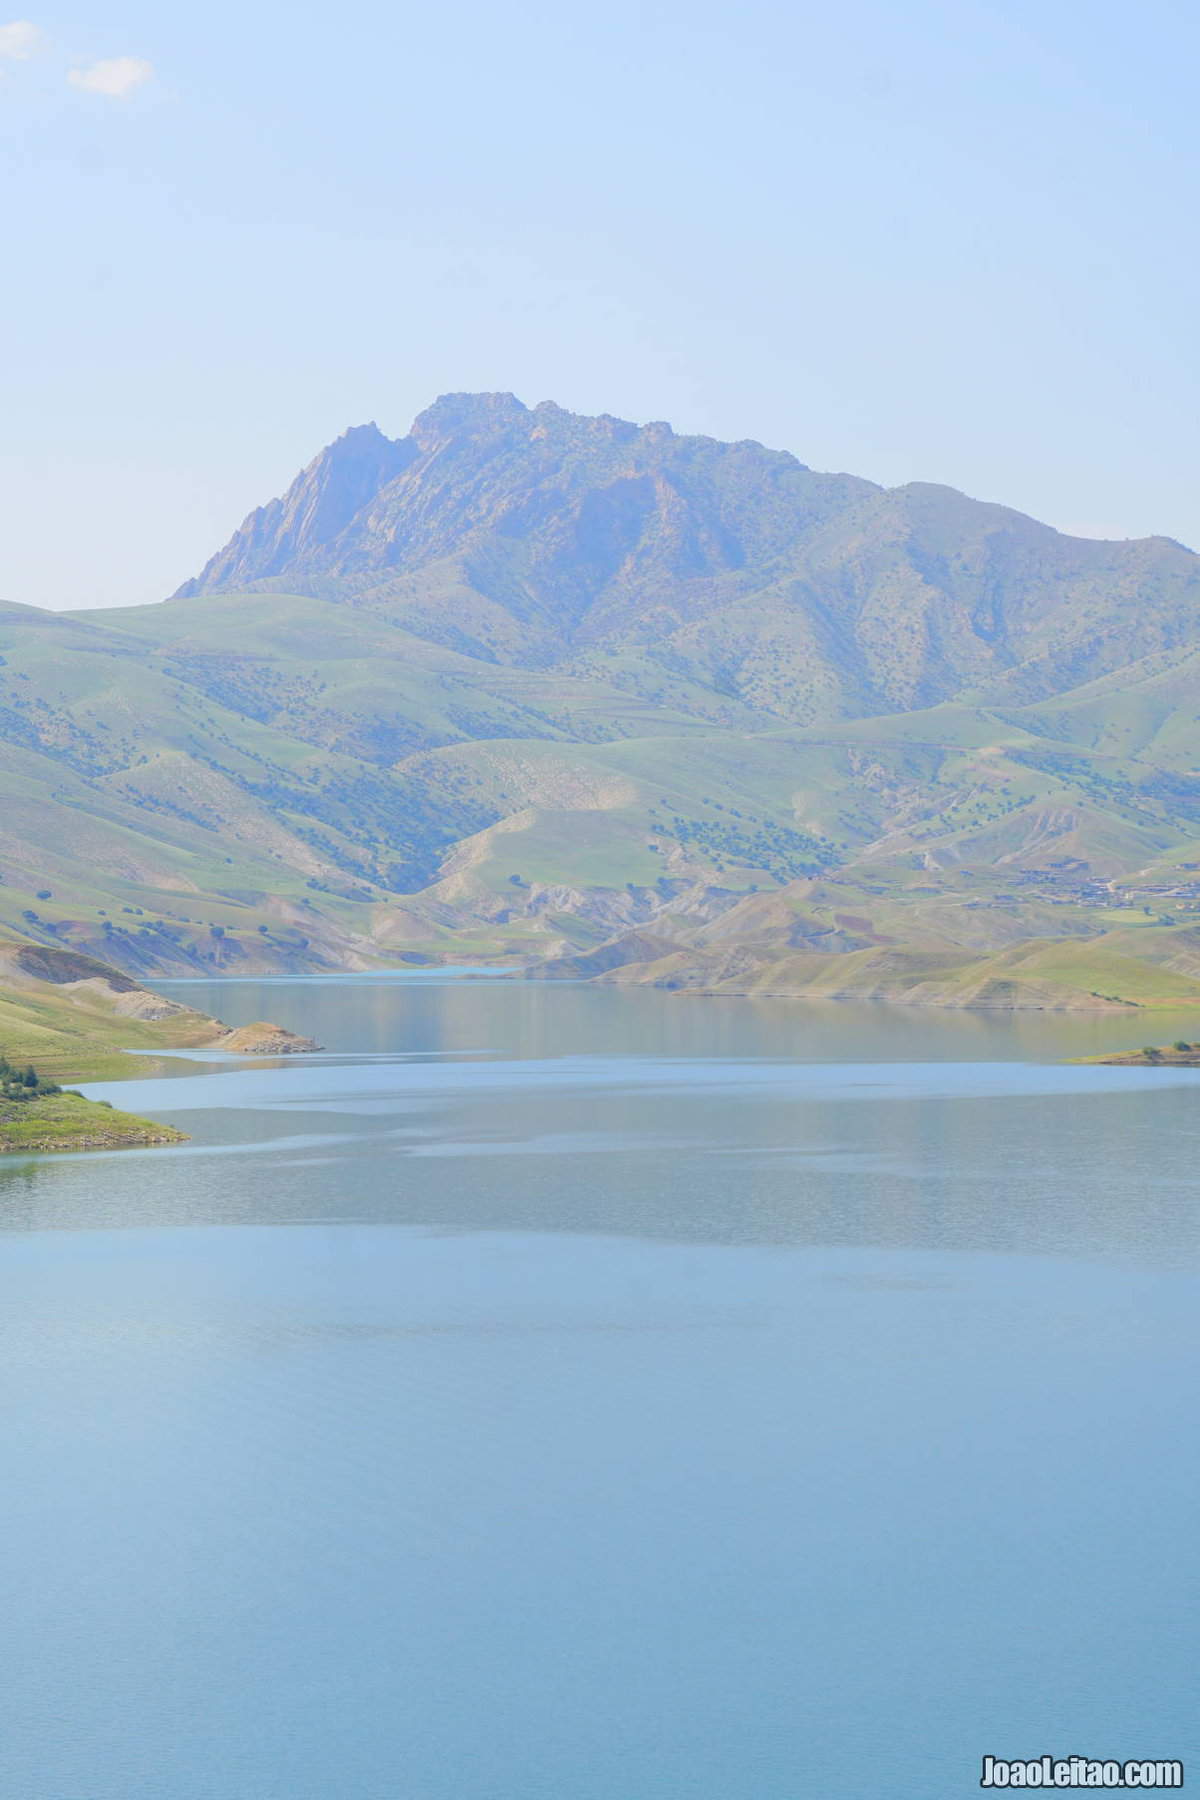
{"x":918,"y":241}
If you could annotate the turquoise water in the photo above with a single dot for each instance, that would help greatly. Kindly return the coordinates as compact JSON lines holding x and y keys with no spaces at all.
{"x":560,"y":1392}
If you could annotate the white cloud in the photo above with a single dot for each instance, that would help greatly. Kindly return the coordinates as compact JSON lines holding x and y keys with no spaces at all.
{"x":19,"y":40}
{"x":116,"y":77}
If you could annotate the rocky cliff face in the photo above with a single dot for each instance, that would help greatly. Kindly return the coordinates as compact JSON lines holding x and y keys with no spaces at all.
{"x":320,"y":503}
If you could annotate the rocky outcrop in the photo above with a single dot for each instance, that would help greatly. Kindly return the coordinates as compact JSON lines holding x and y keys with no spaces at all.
{"x":262,"y":1039}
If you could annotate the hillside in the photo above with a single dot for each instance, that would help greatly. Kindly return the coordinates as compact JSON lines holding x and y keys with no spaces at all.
{"x":1110,"y":973}
{"x":79,"y":1019}
{"x":521,"y":683}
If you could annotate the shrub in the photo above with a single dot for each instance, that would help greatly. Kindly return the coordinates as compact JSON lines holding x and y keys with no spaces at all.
{"x":23,"y":1084}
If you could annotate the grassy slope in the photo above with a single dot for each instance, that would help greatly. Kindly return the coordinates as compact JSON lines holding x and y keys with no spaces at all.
{"x":77,"y":1040}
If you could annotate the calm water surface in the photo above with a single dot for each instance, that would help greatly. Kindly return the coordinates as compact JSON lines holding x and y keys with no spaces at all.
{"x":583,"y":1395}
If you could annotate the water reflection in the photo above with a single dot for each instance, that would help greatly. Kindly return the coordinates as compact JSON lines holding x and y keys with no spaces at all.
{"x":390,"y":1012}
{"x":478,"y":1107}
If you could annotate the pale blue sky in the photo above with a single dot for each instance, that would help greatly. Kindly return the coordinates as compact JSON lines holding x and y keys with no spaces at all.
{"x":952,"y":242}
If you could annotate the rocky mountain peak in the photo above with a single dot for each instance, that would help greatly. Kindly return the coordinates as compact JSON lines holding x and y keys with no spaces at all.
{"x":455,"y":415}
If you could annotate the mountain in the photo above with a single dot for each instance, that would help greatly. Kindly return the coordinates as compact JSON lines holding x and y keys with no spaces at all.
{"x":539,"y":688}
{"x":539,"y":539}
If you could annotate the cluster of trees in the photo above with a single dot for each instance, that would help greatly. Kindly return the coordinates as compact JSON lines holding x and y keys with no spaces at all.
{"x":24,"y":1084}
{"x":753,"y":843}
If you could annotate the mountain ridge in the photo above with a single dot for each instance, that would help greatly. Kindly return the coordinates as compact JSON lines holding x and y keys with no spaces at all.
{"x":539,"y":538}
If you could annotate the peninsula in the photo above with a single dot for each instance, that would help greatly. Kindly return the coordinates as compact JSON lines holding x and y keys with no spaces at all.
{"x":1154,"y":1056}
{"x":36,"y":1116}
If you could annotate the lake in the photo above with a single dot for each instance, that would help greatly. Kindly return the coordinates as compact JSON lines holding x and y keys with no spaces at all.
{"x":557,"y":1393}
